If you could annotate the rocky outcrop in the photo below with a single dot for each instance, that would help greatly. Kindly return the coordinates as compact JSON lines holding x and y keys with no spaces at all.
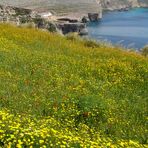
{"x":92,"y":10}
{"x":21,"y":16}
{"x":93,"y":17}
{"x":83,"y":32}
{"x":122,"y":4}
{"x":74,"y":6}
{"x":15,"y":15}
{"x":67,"y":19}
{"x":143,"y":3}
{"x":85,"y":19}
{"x":73,"y":27}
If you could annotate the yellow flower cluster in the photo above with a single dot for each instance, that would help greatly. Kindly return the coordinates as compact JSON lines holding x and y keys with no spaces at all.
{"x":21,"y":131}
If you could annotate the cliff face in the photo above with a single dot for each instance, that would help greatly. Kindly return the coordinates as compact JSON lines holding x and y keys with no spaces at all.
{"x":143,"y":3}
{"x":74,"y":6}
{"x":23,"y":16}
{"x":118,"y":4}
{"x":58,"y":6}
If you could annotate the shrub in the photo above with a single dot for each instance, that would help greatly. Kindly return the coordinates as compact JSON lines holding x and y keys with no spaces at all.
{"x":145,"y":51}
{"x":23,"y":20}
{"x":91,"y":43}
{"x":72,"y":36}
{"x":52,"y":27}
{"x":27,"y":25}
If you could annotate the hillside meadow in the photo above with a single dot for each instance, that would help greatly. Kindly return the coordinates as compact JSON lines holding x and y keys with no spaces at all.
{"x":64,"y":92}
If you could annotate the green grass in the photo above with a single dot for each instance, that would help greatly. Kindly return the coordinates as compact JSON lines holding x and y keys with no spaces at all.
{"x":78,"y":95}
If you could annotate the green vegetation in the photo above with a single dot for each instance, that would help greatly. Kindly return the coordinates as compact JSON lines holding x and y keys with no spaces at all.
{"x":145,"y":51}
{"x":61,"y":92}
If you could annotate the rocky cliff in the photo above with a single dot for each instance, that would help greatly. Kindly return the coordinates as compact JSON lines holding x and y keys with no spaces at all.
{"x":32,"y":9}
{"x":119,"y":4}
{"x":143,"y":3}
{"x":74,"y":6}
{"x":24,"y":16}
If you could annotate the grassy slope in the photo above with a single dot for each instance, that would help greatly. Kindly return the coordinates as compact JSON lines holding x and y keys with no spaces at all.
{"x":58,"y":91}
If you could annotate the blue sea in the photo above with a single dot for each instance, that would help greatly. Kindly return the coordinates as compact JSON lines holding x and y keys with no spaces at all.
{"x":127,"y":28}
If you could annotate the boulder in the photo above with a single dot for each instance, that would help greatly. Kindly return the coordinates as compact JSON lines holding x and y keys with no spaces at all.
{"x":93,"y":17}
{"x":85,"y":19}
{"x":83,"y":32}
{"x":124,"y":9}
{"x":72,"y":27}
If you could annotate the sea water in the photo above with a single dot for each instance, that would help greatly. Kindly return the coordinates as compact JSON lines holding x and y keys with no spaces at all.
{"x":127,"y":28}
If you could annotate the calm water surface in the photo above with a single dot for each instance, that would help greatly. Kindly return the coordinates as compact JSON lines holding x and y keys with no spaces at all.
{"x":128,"y":28}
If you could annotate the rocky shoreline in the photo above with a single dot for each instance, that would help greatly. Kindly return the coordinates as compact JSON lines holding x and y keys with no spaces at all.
{"x":63,"y":24}
{"x":46,"y":20}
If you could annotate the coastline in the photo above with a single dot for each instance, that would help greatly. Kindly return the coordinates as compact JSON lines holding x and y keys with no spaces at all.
{"x":128,"y":29}
{"x":57,"y":22}
{"x":74,"y":10}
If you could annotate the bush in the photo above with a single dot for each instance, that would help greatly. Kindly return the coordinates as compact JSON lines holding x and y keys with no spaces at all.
{"x":91,"y":43}
{"x":28,"y":25}
{"x":52,"y":27}
{"x":145,"y":51}
{"x":72,"y":36}
{"x":24,"y":20}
